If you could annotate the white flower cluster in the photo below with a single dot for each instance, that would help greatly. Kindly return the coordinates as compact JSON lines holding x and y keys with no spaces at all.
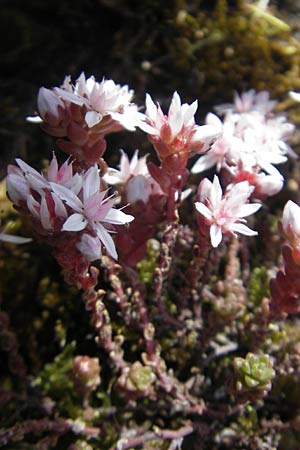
{"x":62,"y":201}
{"x":253,"y":140}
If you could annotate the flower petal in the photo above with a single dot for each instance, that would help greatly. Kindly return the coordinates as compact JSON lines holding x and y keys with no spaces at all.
{"x":151,"y":109}
{"x":246,"y":210}
{"x":68,"y":196}
{"x":291,"y":217}
{"x":45,"y":215}
{"x":90,"y":247}
{"x":117,"y":217}
{"x":107,"y":240}
{"x":70,"y":97}
{"x":91,"y":183}
{"x":205,"y":162}
{"x":215,"y":193}
{"x":215,"y":235}
{"x":76,"y":222}
{"x":13,"y":239}
{"x":92,"y":118}
{"x":202,"y":209}
{"x":243,"y":229}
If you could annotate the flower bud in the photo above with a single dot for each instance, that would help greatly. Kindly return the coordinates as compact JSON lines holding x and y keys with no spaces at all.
{"x":48,"y":104}
{"x":86,"y":374}
{"x":291,"y":222}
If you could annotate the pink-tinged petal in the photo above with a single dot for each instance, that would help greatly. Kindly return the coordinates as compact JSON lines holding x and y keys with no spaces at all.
{"x":27,"y":169}
{"x":37,"y":183}
{"x":138,"y":188}
{"x":76,"y":222}
{"x":189,"y":113}
{"x":269,"y":168}
{"x":66,"y":86}
{"x":134,"y":160}
{"x":96,"y":97}
{"x":241,"y":189}
{"x":213,"y":120}
{"x":202,"y":209}
{"x":234,"y":200}
{"x":127,"y":121}
{"x":206,"y":134}
{"x":113,"y":176}
{"x":106,"y":240}
{"x":13,"y":239}
{"x":52,"y":173}
{"x":291,"y":217}
{"x":215,"y":193}
{"x":151,"y":109}
{"x":95,"y":208}
{"x":274,"y":157}
{"x":204,"y":189}
{"x":215,"y":235}
{"x":92,"y":118}
{"x":182,"y":195}
{"x":242,"y":229}
{"x":33,"y":206}
{"x":90,"y":247}
{"x":147,"y":128}
{"x":283,"y":146}
{"x":117,"y":217}
{"x":268,"y":184}
{"x":17,"y":187}
{"x":48,"y":102}
{"x":91,"y":183}
{"x":59,"y":207}
{"x":175,"y":115}
{"x":160,"y":118}
{"x":124,"y":164}
{"x":65,"y":172}
{"x":175,"y":122}
{"x":141,"y":167}
{"x":68,"y":196}
{"x":75,"y":183}
{"x":205,"y":162}
{"x":246,"y":210}
{"x":175,"y":105}
{"x":70,"y":97}
{"x":82,"y":84}
{"x":45,"y":215}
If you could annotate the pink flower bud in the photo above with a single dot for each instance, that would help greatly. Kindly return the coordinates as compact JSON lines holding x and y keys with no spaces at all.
{"x":48,"y":105}
{"x":291,"y":222}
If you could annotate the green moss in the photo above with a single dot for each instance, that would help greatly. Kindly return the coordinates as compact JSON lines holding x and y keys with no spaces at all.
{"x":259,"y":285}
{"x":55,"y":381}
{"x":147,"y":265}
{"x":248,"y":422}
{"x":236,"y":48}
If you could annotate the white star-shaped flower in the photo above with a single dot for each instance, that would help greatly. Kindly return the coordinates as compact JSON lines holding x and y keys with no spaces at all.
{"x":225,"y":213}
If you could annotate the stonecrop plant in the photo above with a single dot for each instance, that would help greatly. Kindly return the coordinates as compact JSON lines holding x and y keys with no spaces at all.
{"x":158,"y":249}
